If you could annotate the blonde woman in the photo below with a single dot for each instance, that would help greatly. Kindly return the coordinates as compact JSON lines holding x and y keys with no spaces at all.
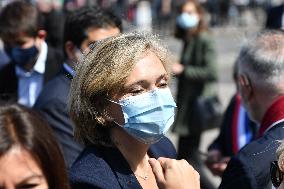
{"x":122,"y":107}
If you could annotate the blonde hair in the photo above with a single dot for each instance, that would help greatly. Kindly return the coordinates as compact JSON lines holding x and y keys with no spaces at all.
{"x":103,"y":71}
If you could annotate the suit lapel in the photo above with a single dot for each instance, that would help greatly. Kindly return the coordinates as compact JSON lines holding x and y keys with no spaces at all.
{"x":53,"y":64}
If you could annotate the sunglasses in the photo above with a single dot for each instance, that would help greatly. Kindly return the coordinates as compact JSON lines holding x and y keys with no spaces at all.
{"x":275,"y":174}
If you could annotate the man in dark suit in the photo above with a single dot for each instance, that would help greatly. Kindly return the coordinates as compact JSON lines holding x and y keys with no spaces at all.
{"x":275,"y":17}
{"x":82,"y":27}
{"x":260,"y":81}
{"x":33,"y":62}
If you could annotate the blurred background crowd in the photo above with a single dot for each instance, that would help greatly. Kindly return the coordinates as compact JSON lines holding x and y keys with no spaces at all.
{"x":227,"y":21}
{"x":224,"y":17}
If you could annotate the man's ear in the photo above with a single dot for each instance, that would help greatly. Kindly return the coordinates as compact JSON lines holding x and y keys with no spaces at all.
{"x":245,"y":87}
{"x":41,"y":34}
{"x":69,"y":49}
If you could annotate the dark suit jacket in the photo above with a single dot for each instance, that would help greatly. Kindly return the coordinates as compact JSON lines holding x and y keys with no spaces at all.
{"x":250,"y":168}
{"x":9,"y":80}
{"x":106,"y":168}
{"x":274,"y":17}
{"x":52,"y":103}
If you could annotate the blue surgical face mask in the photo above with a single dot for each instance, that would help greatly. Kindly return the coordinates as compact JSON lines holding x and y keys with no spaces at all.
{"x":21,"y":56}
{"x":187,"y":21}
{"x":148,"y":116}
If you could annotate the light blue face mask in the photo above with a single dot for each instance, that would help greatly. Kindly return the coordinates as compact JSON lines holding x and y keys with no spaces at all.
{"x":187,"y":21}
{"x":148,"y":116}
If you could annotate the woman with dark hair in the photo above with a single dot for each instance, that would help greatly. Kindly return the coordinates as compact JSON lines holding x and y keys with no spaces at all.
{"x":195,"y":73}
{"x":29,"y":154}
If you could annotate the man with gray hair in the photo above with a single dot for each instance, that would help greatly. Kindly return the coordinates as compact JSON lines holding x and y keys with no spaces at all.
{"x":261,"y":85}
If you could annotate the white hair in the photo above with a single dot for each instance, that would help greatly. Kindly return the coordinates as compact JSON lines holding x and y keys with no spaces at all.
{"x":262,"y":59}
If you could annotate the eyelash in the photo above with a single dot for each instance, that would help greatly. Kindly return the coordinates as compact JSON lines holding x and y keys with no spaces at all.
{"x":27,"y":186}
{"x":139,"y":91}
{"x":163,"y":85}
{"x":136,"y":91}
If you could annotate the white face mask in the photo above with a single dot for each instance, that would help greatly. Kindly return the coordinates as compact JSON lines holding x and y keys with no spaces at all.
{"x":187,"y":21}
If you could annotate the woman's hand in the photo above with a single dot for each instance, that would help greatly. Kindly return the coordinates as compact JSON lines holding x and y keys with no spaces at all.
{"x":174,"y":174}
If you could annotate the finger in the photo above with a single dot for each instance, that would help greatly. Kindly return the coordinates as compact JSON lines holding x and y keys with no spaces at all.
{"x":157,"y":170}
{"x":185,"y":163}
{"x":166,"y":163}
{"x":197,"y":175}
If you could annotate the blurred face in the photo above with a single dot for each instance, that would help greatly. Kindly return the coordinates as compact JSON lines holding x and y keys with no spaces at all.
{"x":23,"y":50}
{"x":249,"y":98}
{"x":18,"y":170}
{"x":148,"y":74}
{"x":94,"y":35}
{"x":97,"y":34}
{"x":190,"y":9}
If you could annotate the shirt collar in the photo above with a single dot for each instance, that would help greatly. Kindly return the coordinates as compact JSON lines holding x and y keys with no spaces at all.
{"x":69,"y":69}
{"x":40,"y":63}
{"x":273,"y":116}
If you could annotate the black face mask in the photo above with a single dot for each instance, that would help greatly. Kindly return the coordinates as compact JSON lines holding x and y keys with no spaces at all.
{"x":22,"y":56}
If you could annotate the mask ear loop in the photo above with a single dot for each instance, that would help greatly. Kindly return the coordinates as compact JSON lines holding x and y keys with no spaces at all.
{"x":112,"y":101}
{"x":110,"y":118}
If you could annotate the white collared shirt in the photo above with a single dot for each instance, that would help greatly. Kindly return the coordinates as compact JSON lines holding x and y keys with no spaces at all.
{"x":69,"y":69}
{"x":30,"y":83}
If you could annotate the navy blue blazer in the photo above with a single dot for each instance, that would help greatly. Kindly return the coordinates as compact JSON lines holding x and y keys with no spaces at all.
{"x":250,"y":168}
{"x":52,"y":104}
{"x":106,"y":168}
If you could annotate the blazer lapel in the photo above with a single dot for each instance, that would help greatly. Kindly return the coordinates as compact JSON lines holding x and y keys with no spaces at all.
{"x":121,"y":169}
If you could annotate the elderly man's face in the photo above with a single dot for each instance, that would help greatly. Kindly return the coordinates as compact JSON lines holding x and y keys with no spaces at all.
{"x":249,"y":99}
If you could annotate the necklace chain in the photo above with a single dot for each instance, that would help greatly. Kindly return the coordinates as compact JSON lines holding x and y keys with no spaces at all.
{"x":146,"y":175}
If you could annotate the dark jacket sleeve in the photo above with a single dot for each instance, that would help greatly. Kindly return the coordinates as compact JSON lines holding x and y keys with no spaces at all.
{"x":57,"y":116}
{"x":237,"y":176}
